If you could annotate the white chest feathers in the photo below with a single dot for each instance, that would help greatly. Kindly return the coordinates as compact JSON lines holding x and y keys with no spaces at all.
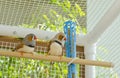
{"x":55,"y":49}
{"x":26,"y":49}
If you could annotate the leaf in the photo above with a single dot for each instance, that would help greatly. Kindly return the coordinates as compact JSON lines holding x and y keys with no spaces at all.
{"x":54,"y":1}
{"x":11,"y":68}
{"x":84,"y":30}
{"x":67,"y":4}
{"x":78,"y":29}
{"x":45,"y":17}
{"x":71,"y":15}
{"x":78,"y":7}
{"x":82,"y":14}
{"x":54,"y":12}
{"x":0,"y":73}
{"x":65,"y":71}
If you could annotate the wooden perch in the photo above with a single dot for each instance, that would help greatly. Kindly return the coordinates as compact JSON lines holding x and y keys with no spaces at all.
{"x":56,"y":59}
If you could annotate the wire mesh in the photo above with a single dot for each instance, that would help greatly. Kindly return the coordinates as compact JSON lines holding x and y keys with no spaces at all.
{"x":81,"y":67}
{"x":30,"y":12}
{"x":108,"y":50}
{"x":96,"y":10}
{"x":24,"y":68}
{"x":108,"y":44}
{"x":12,"y":67}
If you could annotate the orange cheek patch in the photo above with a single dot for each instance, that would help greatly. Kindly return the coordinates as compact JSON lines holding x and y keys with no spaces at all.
{"x":60,"y":37}
{"x":30,"y":38}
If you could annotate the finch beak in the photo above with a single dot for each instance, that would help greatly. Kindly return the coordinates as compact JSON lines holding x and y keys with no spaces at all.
{"x":35,"y":38}
{"x":65,"y":38}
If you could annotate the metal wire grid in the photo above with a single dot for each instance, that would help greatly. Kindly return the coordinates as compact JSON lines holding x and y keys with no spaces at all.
{"x":22,"y":68}
{"x":20,"y":12}
{"x":81,"y":67}
{"x":96,"y":10}
{"x":9,"y":46}
{"x":108,"y":49}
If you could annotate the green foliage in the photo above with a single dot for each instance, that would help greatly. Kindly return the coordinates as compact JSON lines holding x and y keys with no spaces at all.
{"x":54,"y":20}
{"x":20,"y":67}
{"x":70,"y":13}
{"x":0,"y":73}
{"x":27,"y":68}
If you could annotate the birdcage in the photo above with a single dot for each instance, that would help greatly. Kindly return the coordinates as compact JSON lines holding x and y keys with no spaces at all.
{"x":21,"y":17}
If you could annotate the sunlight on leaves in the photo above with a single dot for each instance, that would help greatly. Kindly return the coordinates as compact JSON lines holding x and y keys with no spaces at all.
{"x":0,"y":73}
